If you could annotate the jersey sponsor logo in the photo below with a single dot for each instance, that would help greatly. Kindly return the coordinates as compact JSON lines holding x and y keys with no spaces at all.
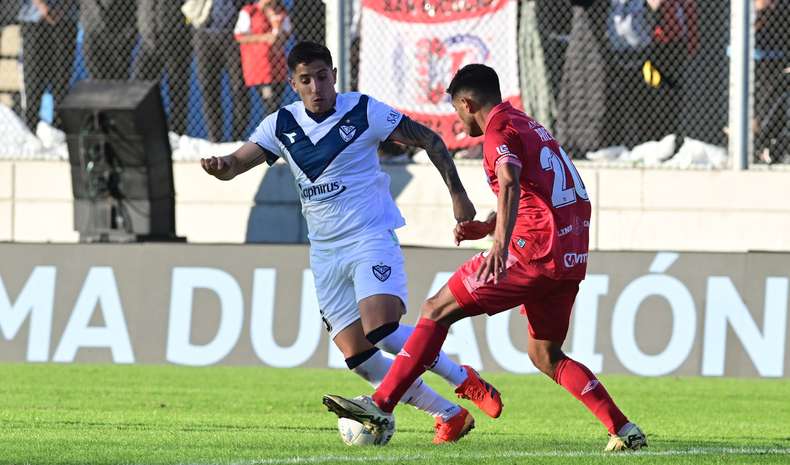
{"x":347,"y":132}
{"x":322,"y":192}
{"x":403,"y":353}
{"x":590,"y":386}
{"x":565,"y":230}
{"x":573,"y":259}
{"x":503,"y":150}
{"x":521,"y":243}
{"x":291,"y":136}
{"x":382,"y":272}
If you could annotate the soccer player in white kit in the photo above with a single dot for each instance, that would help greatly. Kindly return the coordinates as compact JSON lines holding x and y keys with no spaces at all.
{"x":330,"y":142}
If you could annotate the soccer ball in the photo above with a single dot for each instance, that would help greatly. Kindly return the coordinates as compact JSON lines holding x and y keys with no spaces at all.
{"x":355,"y":434}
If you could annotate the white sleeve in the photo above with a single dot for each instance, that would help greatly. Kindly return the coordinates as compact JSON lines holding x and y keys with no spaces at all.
{"x":243,"y":24}
{"x":382,"y":118}
{"x":264,"y":135}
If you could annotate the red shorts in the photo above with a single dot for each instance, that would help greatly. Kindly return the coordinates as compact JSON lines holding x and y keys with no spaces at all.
{"x":546,"y":302}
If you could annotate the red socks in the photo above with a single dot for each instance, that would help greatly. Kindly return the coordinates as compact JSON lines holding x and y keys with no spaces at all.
{"x":419,"y":352}
{"x":423,"y":346}
{"x":580,"y":382}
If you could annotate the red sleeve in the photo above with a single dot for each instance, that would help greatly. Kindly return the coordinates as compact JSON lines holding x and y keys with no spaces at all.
{"x":503,"y":147}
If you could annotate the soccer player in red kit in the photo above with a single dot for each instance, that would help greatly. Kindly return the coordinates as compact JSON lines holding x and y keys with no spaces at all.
{"x":537,"y":260}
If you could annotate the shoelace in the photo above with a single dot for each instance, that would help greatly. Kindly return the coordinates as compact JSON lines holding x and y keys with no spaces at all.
{"x":477,"y":393}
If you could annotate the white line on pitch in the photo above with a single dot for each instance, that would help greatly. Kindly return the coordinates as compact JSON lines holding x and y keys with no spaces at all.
{"x":333,"y":458}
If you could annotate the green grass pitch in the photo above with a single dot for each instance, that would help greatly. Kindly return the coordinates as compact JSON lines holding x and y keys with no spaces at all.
{"x":132,"y":414}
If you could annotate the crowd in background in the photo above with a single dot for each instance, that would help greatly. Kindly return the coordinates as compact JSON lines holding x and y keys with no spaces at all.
{"x":236,"y":47}
{"x":619,"y":69}
{"x":625,"y":74}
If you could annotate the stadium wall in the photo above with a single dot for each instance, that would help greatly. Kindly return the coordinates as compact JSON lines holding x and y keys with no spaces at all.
{"x":645,"y":313}
{"x":640,"y":209}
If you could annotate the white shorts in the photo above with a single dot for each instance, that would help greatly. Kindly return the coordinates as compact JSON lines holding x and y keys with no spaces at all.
{"x":347,"y":274}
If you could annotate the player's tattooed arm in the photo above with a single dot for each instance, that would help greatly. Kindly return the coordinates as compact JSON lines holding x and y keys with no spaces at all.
{"x":412,"y":133}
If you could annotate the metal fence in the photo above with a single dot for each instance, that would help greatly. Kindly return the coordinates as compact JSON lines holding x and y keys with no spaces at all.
{"x":600,"y":74}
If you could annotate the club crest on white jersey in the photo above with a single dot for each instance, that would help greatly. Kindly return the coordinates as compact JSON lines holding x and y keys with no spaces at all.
{"x":347,"y":132}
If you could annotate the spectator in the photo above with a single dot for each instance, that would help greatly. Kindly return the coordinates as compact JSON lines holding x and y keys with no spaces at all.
{"x":49,"y":44}
{"x":772,"y":48}
{"x":215,"y":49}
{"x":262,"y":30}
{"x":675,"y":37}
{"x":166,"y":47}
{"x":109,"y":36}
{"x":629,"y":33}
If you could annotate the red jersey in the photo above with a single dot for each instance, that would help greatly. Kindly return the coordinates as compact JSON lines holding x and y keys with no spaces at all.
{"x":261,"y":63}
{"x":553,"y":225}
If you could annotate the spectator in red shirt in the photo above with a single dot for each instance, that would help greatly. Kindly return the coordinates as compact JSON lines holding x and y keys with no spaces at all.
{"x":262,"y":29}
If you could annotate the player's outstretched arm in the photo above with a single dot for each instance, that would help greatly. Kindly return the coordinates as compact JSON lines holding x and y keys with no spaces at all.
{"x":412,"y":133}
{"x":228,"y":167}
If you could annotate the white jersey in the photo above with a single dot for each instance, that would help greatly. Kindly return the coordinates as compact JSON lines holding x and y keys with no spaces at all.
{"x":345,"y":196}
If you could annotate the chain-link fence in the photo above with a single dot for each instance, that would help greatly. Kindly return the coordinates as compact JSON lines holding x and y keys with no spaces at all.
{"x":605,"y":76}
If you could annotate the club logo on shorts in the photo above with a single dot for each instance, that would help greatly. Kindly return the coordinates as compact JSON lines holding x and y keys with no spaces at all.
{"x":382,"y":272}
{"x":347,"y":132}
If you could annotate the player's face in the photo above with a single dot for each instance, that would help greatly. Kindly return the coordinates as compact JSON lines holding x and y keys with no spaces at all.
{"x":471,"y":127}
{"x":315,"y":84}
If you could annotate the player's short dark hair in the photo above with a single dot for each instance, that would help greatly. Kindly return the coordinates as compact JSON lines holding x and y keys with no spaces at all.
{"x":478,"y":80}
{"x":308,"y":52}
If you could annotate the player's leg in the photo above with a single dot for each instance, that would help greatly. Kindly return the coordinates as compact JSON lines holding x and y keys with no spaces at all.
{"x":549,"y":318}
{"x":380,"y":282}
{"x":421,"y":349}
{"x":451,"y":424}
{"x":368,"y":363}
{"x":390,"y":335}
{"x":377,"y":270}
{"x":456,"y":300}
{"x":338,"y":302}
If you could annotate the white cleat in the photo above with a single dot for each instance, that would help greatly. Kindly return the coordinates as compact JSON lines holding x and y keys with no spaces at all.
{"x":630,"y":437}
{"x":362,"y":409}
